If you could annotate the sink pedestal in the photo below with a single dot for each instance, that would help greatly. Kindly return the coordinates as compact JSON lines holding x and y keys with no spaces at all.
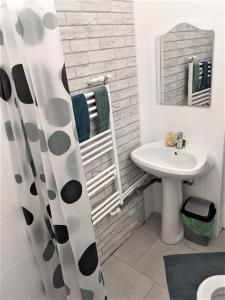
{"x":172,"y":229}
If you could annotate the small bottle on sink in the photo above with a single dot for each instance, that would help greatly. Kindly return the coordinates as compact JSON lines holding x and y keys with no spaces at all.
{"x":179,"y":141}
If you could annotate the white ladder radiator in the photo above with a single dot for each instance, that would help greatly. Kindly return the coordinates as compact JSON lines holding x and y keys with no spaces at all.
{"x":105,"y":142}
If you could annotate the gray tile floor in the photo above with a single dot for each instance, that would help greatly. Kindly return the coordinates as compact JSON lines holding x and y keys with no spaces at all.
{"x":136,"y":269}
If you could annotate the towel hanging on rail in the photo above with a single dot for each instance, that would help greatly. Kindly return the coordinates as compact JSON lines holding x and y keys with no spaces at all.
{"x":204,"y":81}
{"x":102,"y":104}
{"x":81,"y":114}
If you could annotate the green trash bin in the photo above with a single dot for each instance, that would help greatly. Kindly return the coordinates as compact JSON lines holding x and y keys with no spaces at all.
{"x":198,"y":217}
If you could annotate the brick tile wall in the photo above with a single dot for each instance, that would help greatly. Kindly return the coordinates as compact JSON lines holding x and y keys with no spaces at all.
{"x":98,"y":38}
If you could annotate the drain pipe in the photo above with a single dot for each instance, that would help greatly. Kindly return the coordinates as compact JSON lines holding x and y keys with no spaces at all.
{"x":152,"y":179}
{"x":138,"y":190}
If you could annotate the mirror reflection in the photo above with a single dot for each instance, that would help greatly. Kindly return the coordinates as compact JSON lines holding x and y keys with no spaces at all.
{"x":184,"y":58}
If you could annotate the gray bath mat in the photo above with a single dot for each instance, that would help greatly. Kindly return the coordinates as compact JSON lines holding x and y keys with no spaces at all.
{"x":185,"y":272}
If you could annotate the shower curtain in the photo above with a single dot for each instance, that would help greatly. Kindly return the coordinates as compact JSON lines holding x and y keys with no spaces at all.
{"x":41,"y":131}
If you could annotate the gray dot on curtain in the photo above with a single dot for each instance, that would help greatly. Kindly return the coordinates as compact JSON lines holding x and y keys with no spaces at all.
{"x":32,"y":132}
{"x":58,"y":112}
{"x":49,"y":251}
{"x":30,"y":27}
{"x":43,"y":143}
{"x":18,"y":178}
{"x":58,"y":281}
{"x":51,"y":194}
{"x":9,"y":131}
{"x":68,"y":291}
{"x":72,"y":167}
{"x":19,"y":27}
{"x":42,"y":177}
{"x":87,"y":294}
{"x":59,"y":142}
{"x":50,"y":20}
{"x":1,"y":38}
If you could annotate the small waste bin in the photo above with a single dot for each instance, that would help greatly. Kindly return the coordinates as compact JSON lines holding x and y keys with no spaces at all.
{"x":198,"y":217}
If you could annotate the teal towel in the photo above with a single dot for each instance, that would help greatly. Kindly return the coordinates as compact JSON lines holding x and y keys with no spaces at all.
{"x":82,"y":117}
{"x":195,"y":79}
{"x":204,"y":82}
{"x":102,"y":103}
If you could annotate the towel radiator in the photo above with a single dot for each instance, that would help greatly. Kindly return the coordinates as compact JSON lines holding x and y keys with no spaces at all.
{"x":94,"y":148}
{"x":202,"y":97}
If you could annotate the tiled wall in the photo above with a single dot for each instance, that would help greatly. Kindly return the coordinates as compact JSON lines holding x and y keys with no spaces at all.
{"x":18,"y":272}
{"x":203,"y":127}
{"x":176,"y":46}
{"x":98,"y":38}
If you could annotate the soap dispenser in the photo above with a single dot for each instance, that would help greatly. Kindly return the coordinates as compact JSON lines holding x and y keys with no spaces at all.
{"x":179,"y":142}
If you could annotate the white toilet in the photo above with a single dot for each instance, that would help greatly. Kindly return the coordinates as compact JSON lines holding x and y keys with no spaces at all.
{"x":212,"y":288}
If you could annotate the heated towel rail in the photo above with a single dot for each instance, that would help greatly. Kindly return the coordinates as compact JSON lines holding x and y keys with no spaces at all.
{"x":202,"y":97}
{"x":94,"y":148}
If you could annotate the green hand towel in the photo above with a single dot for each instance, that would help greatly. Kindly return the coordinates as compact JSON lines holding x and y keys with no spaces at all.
{"x":102,"y":103}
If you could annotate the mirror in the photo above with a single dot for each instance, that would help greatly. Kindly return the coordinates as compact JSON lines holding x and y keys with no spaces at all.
{"x":184,"y":66}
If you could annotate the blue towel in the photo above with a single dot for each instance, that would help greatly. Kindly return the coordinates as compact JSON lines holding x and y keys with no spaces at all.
{"x":204,"y":81}
{"x":82,"y":118}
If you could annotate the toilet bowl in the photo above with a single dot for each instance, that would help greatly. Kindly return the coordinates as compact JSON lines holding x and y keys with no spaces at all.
{"x":212,"y":288}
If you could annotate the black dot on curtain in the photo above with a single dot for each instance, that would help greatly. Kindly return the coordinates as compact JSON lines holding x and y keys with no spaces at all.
{"x":71,"y":191}
{"x":33,"y":189}
{"x":5,"y":85}
{"x":49,"y":210}
{"x":64,"y":79}
{"x":21,"y":84}
{"x":49,"y":251}
{"x":61,"y":234}
{"x":58,"y":281}
{"x":29,"y":218}
{"x":89,"y":260}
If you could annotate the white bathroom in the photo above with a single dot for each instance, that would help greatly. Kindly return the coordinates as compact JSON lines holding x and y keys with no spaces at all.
{"x":112,"y":160}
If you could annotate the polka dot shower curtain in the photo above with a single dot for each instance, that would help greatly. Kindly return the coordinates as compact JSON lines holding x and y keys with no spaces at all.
{"x":48,"y":172}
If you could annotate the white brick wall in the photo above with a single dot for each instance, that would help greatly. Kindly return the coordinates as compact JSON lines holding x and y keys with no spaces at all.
{"x":98,"y":38}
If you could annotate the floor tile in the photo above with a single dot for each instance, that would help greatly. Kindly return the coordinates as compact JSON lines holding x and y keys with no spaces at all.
{"x":154,"y":223}
{"x":152,"y":264}
{"x":157,"y":292}
{"x":136,"y":246}
{"x":216,"y":245}
{"x":123,"y":282}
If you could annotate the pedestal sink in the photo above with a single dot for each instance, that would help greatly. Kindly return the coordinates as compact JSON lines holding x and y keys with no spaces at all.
{"x":172,"y":165}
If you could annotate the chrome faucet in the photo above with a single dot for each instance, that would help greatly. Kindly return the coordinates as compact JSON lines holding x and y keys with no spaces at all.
{"x":179,"y":141}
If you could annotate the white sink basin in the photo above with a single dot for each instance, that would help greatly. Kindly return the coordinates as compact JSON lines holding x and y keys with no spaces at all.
{"x":164,"y":162}
{"x":172,"y":165}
